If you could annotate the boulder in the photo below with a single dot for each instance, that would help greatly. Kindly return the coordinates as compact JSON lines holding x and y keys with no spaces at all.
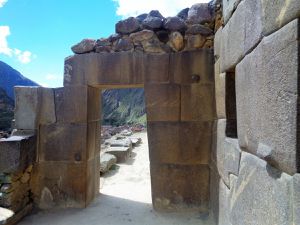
{"x":199,"y":13}
{"x":121,"y":143}
{"x":85,"y":46}
{"x":141,"y":17}
{"x":194,"y":41}
{"x":127,"y":26}
{"x":114,"y":37}
{"x":153,"y":46}
{"x":174,"y":24}
{"x":106,"y":162}
{"x":141,"y":36}
{"x":163,"y":36}
{"x":123,"y":44}
{"x":103,"y":42}
{"x":176,"y":41}
{"x":135,"y":141}
{"x":152,"y":23}
{"x":199,"y":29}
{"x":155,"y":13}
{"x":99,"y":49}
{"x":126,"y":133}
{"x":183,"y":14}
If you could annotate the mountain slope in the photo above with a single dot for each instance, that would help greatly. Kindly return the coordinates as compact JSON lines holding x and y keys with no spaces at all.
{"x":6,"y":111}
{"x":10,"y":77}
{"x":123,"y":106}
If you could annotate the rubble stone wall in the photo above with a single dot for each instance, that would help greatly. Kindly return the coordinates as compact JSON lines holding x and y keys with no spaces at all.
{"x":255,"y":175}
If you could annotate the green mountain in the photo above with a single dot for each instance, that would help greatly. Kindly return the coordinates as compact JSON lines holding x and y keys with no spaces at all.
{"x":123,"y":106}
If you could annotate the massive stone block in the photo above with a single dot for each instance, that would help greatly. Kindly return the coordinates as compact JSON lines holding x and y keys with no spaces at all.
{"x":93,"y":104}
{"x":93,"y":179}
{"x":276,"y":14}
{"x":218,"y":43}
{"x":156,"y":68}
{"x":191,"y":67}
{"x":241,"y":34}
{"x":197,"y":102}
{"x":93,"y":139}
{"x":59,"y":184}
{"x":228,"y":8}
{"x":162,"y":102}
{"x":267,"y":98}
{"x":17,"y":153}
{"x":26,"y":107}
{"x":47,"y":106}
{"x":220,"y":92}
{"x":261,"y":194}
{"x":180,"y":187}
{"x":225,"y":153}
{"x":71,"y":104}
{"x":176,"y":142}
{"x":296,"y":198}
{"x":63,"y":142}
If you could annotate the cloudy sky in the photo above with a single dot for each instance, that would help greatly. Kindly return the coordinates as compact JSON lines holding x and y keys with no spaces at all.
{"x":36,"y":35}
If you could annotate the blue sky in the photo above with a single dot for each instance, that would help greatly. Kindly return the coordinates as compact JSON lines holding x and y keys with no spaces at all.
{"x":36,"y":35}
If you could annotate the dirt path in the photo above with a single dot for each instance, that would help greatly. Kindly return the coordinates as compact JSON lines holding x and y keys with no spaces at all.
{"x":125,"y":199}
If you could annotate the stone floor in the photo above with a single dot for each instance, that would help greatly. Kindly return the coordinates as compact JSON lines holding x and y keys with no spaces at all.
{"x":125,"y":199}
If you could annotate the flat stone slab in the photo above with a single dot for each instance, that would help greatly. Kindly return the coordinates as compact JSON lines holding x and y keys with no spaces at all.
{"x":121,"y":143}
{"x":135,"y":141}
{"x":122,"y":153}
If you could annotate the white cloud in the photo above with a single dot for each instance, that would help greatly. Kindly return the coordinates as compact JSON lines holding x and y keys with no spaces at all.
{"x":2,"y":3}
{"x":4,"y":33}
{"x":128,"y":8}
{"x":51,"y":76}
{"x":22,"y":56}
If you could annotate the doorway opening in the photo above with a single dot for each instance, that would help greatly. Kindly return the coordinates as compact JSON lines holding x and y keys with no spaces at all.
{"x":124,"y":154}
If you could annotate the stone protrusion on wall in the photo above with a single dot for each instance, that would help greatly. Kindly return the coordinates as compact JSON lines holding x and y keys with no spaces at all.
{"x":191,"y":29}
{"x":17,"y":157}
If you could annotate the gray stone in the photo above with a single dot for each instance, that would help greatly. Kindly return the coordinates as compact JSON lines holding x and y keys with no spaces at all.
{"x":155,"y":13}
{"x":199,"y":29}
{"x":228,"y":153}
{"x":26,"y":107}
{"x":123,"y":44}
{"x":199,"y":13}
{"x":163,"y":35}
{"x":47,"y":106}
{"x":153,"y":46}
{"x":176,"y":41}
{"x":276,"y":14}
{"x":261,"y":194}
{"x":141,"y":17}
{"x":152,"y":23}
{"x":174,"y":24}
{"x":267,"y":91}
{"x":17,"y":153}
{"x":228,"y":7}
{"x":296,"y":198}
{"x":122,"y":153}
{"x":103,"y":42}
{"x":85,"y":46}
{"x":194,"y":42}
{"x":218,"y":43}
{"x":100,"y":49}
{"x":224,"y":204}
{"x":183,"y":14}
{"x":106,"y":162}
{"x":121,"y":143}
{"x":127,"y":26}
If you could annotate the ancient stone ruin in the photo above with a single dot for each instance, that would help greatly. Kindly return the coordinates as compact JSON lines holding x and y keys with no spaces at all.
{"x":221,"y":87}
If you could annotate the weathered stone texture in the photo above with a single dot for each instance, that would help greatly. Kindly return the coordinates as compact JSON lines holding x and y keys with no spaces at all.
{"x":218,"y":43}
{"x":26,"y":107}
{"x":228,"y":8}
{"x":156,"y":68}
{"x":180,"y":187}
{"x":47,"y":107}
{"x":296,"y":198}
{"x":63,"y":142}
{"x":174,"y":142}
{"x":220,"y":92}
{"x":261,"y":194}
{"x":17,"y":153}
{"x":267,"y":98}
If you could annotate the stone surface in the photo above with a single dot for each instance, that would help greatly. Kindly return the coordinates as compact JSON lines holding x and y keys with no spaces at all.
{"x":127,"y":26}
{"x":121,"y":153}
{"x":156,"y":68}
{"x":163,"y":36}
{"x":176,"y":41}
{"x":296,"y":198}
{"x":183,"y":14}
{"x":155,"y":13}
{"x":123,"y":44}
{"x":85,"y":46}
{"x":199,"y":13}
{"x":174,"y":24}
{"x":268,"y":104}
{"x":153,"y":46}
{"x":192,"y":67}
{"x":199,"y":29}
{"x":67,"y":100}
{"x":218,"y":44}
{"x":152,"y":22}
{"x":180,"y":187}
{"x":261,"y":194}
{"x":141,"y":36}
{"x":197,"y":95}
{"x":194,"y":42}
{"x":162,"y":102}
{"x":17,"y":153}
{"x":277,"y":14}
{"x":26,"y":107}
{"x":228,"y":7}
{"x":220,"y":91}
{"x":63,"y":142}
{"x":141,"y":17}
{"x":106,"y":162}
{"x":47,"y":106}
{"x":173,"y":142}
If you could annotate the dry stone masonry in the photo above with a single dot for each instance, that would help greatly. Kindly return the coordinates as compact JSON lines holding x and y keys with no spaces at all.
{"x":221,"y":87}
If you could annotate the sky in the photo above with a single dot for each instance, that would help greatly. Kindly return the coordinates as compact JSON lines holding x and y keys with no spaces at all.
{"x":36,"y":35}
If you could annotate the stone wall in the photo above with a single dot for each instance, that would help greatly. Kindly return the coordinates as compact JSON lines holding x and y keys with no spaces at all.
{"x":255,"y":175}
